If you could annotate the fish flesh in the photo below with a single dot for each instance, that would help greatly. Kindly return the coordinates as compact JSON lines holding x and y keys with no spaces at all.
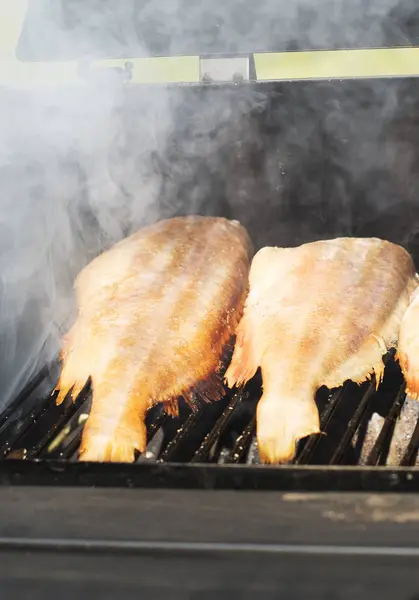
{"x":155,"y":315}
{"x":319,"y":314}
{"x":408,"y":347}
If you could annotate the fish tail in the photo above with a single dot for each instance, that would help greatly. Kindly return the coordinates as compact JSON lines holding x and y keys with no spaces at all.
{"x":103,"y":448}
{"x":282,"y":421}
{"x":114,"y":431}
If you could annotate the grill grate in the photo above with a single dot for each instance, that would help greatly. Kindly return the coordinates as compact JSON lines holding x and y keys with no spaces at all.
{"x":33,"y":427}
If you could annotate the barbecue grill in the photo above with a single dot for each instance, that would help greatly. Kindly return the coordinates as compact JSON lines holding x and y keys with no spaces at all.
{"x":303,"y":127}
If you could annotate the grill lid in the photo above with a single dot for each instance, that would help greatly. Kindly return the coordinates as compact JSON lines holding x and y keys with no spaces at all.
{"x":166,"y":42}
{"x":87,"y":28}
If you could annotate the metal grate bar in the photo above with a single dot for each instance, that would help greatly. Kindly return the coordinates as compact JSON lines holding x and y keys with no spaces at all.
{"x":334,"y":399}
{"x":71,"y":450}
{"x":65,"y":441}
{"x":24,"y":394}
{"x":182,"y":433}
{"x":353,"y":424}
{"x":51,"y":422}
{"x":13,"y":432}
{"x":387,"y":428}
{"x":410,"y":454}
{"x":43,"y":430}
{"x":243,"y":443}
{"x":211,"y":438}
{"x":156,"y":425}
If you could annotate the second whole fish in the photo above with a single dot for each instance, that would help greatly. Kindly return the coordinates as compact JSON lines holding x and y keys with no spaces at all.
{"x":320,"y":314}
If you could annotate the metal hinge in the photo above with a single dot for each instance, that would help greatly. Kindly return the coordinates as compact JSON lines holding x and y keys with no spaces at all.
{"x":222,"y":70}
{"x":100,"y":73}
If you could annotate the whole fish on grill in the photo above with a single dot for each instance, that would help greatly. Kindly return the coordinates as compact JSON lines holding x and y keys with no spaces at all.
{"x":316,"y":315}
{"x":156,"y":312}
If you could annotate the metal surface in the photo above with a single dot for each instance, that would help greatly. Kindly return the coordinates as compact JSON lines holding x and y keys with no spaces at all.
{"x":235,"y":69}
{"x":209,"y":575}
{"x":104,"y":543}
{"x":340,"y":40}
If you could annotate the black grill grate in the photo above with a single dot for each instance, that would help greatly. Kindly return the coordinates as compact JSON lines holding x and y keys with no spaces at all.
{"x":33,"y":427}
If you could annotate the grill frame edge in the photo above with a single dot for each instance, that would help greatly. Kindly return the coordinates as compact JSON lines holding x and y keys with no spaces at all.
{"x":285,"y":478}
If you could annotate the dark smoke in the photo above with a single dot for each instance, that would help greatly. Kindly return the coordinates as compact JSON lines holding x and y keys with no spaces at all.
{"x":81,"y":167}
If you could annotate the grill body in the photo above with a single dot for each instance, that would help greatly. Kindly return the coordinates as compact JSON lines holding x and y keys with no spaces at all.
{"x":294,"y":161}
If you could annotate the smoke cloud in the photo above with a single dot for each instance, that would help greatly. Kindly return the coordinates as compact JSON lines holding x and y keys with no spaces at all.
{"x":82,"y":167}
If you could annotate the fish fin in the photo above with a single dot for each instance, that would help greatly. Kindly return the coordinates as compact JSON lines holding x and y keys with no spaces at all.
{"x":75,"y":368}
{"x":70,"y":382}
{"x":64,"y":388}
{"x":361,"y":366}
{"x":207,"y":390}
{"x":171,"y":407}
{"x":281,"y":422}
{"x":210,"y":388}
{"x":243,"y":365}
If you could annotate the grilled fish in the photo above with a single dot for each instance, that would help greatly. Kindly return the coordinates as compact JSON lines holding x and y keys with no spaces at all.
{"x":316,"y":315}
{"x":155,"y":313}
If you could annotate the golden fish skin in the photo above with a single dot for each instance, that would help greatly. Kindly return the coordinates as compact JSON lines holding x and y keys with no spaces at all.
{"x":155,"y":314}
{"x":318,"y":314}
{"x":408,"y":347}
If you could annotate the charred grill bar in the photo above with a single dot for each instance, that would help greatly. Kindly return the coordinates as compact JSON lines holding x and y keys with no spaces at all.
{"x":34,"y":431}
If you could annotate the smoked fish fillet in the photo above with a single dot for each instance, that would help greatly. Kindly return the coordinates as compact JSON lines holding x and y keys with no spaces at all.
{"x":155,"y":313}
{"x":318,"y":314}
